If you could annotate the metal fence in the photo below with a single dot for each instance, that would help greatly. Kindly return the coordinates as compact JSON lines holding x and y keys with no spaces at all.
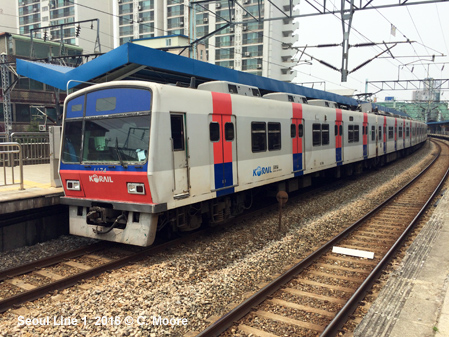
{"x":35,"y":147}
{"x":8,"y":149}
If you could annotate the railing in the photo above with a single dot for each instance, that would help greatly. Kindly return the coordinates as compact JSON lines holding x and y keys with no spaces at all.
{"x":8,"y":149}
{"x":35,"y":147}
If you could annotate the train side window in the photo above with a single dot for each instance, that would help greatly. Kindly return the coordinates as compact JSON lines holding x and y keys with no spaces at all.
{"x":324,"y":134}
{"x":400,"y":132}
{"x":293,"y":130}
{"x":229,"y":131}
{"x":380,"y":133}
{"x":177,"y":132}
{"x":258,"y":136}
{"x":274,"y":136}
{"x":214,"y":132}
{"x":300,"y":130}
{"x":390,"y":132}
{"x":316,"y":130}
{"x":373,"y":133}
{"x":336,"y":130}
{"x":350,"y":133}
{"x":356,"y":133}
{"x":407,"y":132}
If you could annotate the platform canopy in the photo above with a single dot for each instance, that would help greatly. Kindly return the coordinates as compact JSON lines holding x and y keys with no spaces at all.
{"x":135,"y":62}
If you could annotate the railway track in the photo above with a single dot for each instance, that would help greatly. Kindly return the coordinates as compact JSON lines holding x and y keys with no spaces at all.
{"x":318,"y":294}
{"x":36,"y":279}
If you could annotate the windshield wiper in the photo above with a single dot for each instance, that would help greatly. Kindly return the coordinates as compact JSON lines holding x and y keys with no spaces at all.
{"x":119,"y":155}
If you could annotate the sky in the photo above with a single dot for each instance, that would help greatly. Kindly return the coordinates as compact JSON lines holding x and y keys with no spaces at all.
{"x":426,"y":24}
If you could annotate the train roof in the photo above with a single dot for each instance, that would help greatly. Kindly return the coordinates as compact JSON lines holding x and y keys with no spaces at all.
{"x":135,"y":62}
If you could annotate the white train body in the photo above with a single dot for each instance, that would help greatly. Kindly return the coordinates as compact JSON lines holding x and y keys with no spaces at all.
{"x":197,"y":154}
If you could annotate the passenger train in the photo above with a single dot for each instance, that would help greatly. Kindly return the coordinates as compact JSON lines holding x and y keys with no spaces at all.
{"x":138,"y":158}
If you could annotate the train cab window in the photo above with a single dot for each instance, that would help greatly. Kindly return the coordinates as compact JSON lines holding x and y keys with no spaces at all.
{"x":324,"y":134}
{"x":316,"y":131}
{"x":214,"y":132}
{"x":177,"y":132}
{"x":258,"y":136}
{"x":274,"y":136}
{"x":293,"y":131}
{"x":72,"y":142}
{"x":106,"y":104}
{"x":373,"y":133}
{"x":229,"y":132}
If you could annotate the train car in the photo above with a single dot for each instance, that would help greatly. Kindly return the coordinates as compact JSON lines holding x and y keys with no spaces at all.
{"x":141,"y":158}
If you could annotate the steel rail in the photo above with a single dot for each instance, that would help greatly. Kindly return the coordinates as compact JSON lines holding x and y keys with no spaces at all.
{"x":38,"y":292}
{"x":51,"y":260}
{"x":242,"y":309}
{"x":340,"y":319}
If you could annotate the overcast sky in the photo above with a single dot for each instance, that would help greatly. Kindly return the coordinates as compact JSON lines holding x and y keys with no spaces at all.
{"x":426,"y":24}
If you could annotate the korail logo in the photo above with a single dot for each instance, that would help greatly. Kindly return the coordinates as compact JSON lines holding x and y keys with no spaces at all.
{"x":261,"y":170}
{"x":100,"y":179}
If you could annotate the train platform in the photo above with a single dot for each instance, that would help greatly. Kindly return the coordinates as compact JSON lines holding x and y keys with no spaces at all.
{"x":33,"y":214}
{"x":415,"y":300}
{"x":37,"y":184}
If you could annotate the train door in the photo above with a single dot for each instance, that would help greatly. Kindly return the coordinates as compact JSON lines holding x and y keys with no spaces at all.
{"x":338,"y":130}
{"x":222,"y":134}
{"x":395,"y":134}
{"x":297,"y":135}
{"x":179,"y":155}
{"x":365,"y":135}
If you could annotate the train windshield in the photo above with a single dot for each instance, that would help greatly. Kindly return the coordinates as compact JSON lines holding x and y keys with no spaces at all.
{"x":121,"y":140}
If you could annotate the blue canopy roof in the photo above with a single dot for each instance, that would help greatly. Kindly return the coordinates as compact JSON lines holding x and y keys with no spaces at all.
{"x":132,"y":61}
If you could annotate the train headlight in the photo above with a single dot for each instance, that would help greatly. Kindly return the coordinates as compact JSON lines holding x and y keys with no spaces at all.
{"x":73,"y":185}
{"x":136,"y":188}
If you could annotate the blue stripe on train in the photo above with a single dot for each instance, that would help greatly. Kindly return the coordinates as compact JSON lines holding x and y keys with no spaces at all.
{"x":297,"y":164}
{"x":223,"y":178}
{"x":338,"y":157}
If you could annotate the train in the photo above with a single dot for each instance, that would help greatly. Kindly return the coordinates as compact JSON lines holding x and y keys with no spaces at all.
{"x":139,"y":159}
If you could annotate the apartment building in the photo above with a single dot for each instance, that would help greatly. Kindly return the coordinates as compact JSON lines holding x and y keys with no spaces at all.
{"x":257,"y":41}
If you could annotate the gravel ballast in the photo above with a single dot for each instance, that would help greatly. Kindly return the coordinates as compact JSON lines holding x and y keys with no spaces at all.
{"x":191,"y":283}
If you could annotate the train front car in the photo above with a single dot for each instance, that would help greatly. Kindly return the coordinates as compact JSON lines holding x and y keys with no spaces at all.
{"x":104,"y":164}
